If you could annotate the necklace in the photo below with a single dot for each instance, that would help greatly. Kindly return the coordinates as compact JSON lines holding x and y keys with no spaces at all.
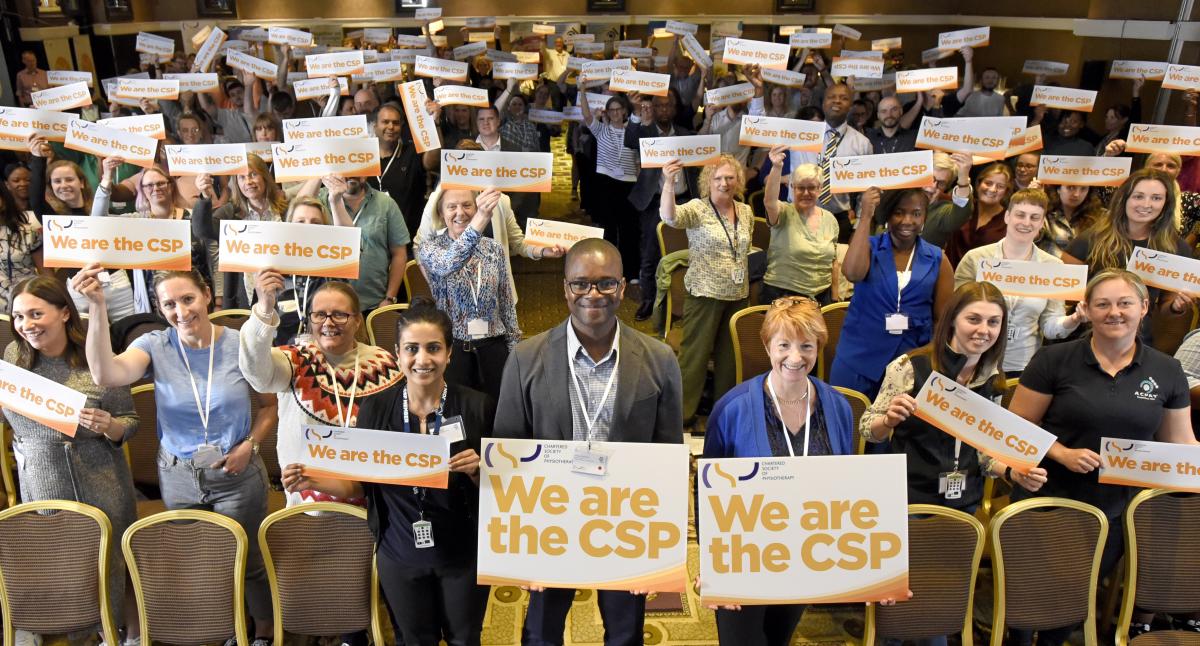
{"x":794,"y":402}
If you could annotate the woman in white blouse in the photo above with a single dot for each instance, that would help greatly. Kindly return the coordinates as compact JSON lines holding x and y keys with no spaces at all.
{"x":616,"y":173}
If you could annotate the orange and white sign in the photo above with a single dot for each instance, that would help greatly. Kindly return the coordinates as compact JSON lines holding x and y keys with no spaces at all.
{"x":529,"y":58}
{"x":481,"y":37}
{"x":256,"y":35}
{"x":602,"y":70}
{"x":588,"y":48}
{"x":109,"y":142}
{"x":423,"y":125}
{"x":209,"y":50}
{"x":152,"y":44}
{"x":797,"y":134}
{"x":644,"y":82}
{"x":1063,"y":98}
{"x":1045,"y":68}
{"x":935,"y":54}
{"x":289,"y":248}
{"x":976,"y":37}
{"x":427,"y":14}
{"x":153,"y":89}
{"x":547,"y":233}
{"x":1083,"y":171}
{"x":692,"y":150}
{"x":1152,"y":138}
{"x":810,"y":40}
{"x":887,"y":44}
{"x":518,"y":71}
{"x":981,"y":423}
{"x":983,"y":136}
{"x":1027,"y":279}
{"x":897,"y":170}
{"x":874,"y":85}
{"x":873,"y":54}
{"x":470,"y":50}
{"x":40,"y":399}
{"x":542,"y":30}
{"x":871,"y":68}
{"x":1149,"y":70}
{"x":497,"y":56}
{"x":316,"y":88}
{"x":847,"y":32}
{"x":335,"y":64}
{"x":350,"y":126}
{"x":548,"y":117}
{"x":64,"y":97}
{"x":17,"y":123}
{"x":1150,"y":465}
{"x":410,"y":40}
{"x":1181,"y":77}
{"x":923,"y":80}
{"x":301,"y":160}
{"x":509,"y":172}
{"x":1027,"y":140}
{"x":461,"y":95}
{"x":265,"y":70}
{"x":844,"y":540}
{"x":384,"y":457}
{"x":117,"y":243}
{"x":633,"y":51}
{"x":680,"y":28}
{"x":740,"y":51}
{"x":543,"y":523}
{"x":439,"y":68}
{"x":788,"y":30}
{"x":572,"y":38}
{"x":208,"y":159}
{"x":150,"y":125}
{"x":384,"y":72}
{"x":696,"y":51}
{"x":197,"y":82}
{"x":289,"y":36}
{"x":480,"y":22}
{"x":786,"y":78}
{"x":67,"y":77}
{"x":262,"y":149}
{"x":729,"y":95}
{"x":1165,"y":270}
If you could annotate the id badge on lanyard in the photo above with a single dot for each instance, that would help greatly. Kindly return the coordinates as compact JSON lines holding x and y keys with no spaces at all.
{"x":738,"y":274}
{"x":206,"y":456}
{"x":898,"y":323}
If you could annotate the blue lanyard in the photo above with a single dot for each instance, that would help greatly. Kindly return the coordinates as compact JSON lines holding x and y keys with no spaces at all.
{"x":437,"y":424}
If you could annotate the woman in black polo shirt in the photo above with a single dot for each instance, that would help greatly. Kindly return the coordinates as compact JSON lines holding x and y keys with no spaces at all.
{"x":1107,"y":384}
{"x":429,"y":581}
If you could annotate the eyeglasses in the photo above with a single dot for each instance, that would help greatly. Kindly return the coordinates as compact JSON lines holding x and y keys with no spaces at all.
{"x":584,"y":287}
{"x":157,"y":186}
{"x":321,"y":317}
{"x":189,"y":131}
{"x":806,"y":189}
{"x":788,"y":301}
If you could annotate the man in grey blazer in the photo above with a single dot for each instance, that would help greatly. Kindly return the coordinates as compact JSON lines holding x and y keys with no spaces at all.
{"x":590,"y":378}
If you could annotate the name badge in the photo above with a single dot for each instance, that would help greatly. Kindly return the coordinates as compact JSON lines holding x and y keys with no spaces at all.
{"x":452,"y":429}
{"x":589,"y":461}
{"x":477,"y":328}
{"x":423,"y":534}
{"x":895,"y":323}
{"x":738,"y":275}
{"x":952,"y":484}
{"x":207,"y":455}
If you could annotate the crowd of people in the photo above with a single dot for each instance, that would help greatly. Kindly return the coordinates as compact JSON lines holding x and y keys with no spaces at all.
{"x":906,"y":260}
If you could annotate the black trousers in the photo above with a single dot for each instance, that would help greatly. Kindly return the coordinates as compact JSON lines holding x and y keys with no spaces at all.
{"x":651,"y":254}
{"x":624,"y":616}
{"x":759,"y":625}
{"x":620,"y":221}
{"x":478,"y":364}
{"x":431,"y":604}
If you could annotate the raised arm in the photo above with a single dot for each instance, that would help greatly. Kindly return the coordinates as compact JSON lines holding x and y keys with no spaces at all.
{"x":774,"y":179}
{"x":266,"y":369}
{"x":910,"y":117}
{"x":968,"y":82}
{"x":858,"y":255}
{"x":107,"y":370}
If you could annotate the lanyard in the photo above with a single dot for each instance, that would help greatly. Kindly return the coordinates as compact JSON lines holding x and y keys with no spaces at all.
{"x":907,"y":267}
{"x":304,"y":313}
{"x":395,"y":152}
{"x":783,"y":426}
{"x":362,"y":206}
{"x":721,"y":219}
{"x":437,"y":421}
{"x":337,"y":396}
{"x":477,"y":286}
{"x":957,"y":450}
{"x":208,"y":388}
{"x":591,"y":421}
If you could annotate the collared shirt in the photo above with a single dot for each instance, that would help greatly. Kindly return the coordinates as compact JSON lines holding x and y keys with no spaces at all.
{"x":490,"y":147}
{"x":904,"y":140}
{"x":589,"y":381}
{"x":469,"y":280}
{"x":713,"y":263}
{"x":522,"y":132}
{"x":27,"y":81}
{"x":383,"y":228}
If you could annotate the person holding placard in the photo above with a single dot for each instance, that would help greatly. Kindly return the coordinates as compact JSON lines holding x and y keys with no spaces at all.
{"x":58,"y":187}
{"x":22,"y":246}
{"x":616,"y":174}
{"x":984,"y":102}
{"x":986,"y":203}
{"x":895,"y":133}
{"x":1111,"y":383}
{"x":516,"y":127}
{"x":89,"y":467}
{"x":468,"y":274}
{"x":296,"y":301}
{"x":208,"y":443}
{"x":1029,"y":319}
{"x":1025,"y":170}
{"x":1073,"y":210}
{"x":16,"y":180}
{"x":590,"y":379}
{"x":802,"y":256}
{"x":968,"y":345}
{"x":1119,"y":116}
{"x":786,"y":412}
{"x":236,"y":117}
{"x":404,"y":171}
{"x":429,"y":583}
{"x":892,"y":310}
{"x":726,"y":121}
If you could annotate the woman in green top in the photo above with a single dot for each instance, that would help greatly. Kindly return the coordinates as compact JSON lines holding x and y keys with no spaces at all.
{"x":802,"y":258}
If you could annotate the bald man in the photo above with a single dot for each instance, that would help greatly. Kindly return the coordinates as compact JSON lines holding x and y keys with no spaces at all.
{"x":891,"y":136}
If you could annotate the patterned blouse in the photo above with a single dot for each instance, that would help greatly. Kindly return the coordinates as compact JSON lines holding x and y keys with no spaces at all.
{"x":523,"y":132}
{"x":18,"y":248}
{"x":469,"y":279}
{"x":713,"y":263}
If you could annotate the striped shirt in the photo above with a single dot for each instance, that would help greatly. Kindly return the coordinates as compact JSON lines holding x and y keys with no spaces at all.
{"x":612,"y":157}
{"x":469,"y":280}
{"x":589,"y":380}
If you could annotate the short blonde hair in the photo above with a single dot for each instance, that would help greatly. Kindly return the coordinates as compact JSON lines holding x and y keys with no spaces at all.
{"x":800,"y":318}
{"x":943,"y":161}
{"x":725,"y":159}
{"x":308,"y":201}
{"x":1130,"y":278}
{"x":806,"y":172}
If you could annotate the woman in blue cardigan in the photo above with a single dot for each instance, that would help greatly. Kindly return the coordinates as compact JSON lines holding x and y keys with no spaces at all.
{"x":786,"y":412}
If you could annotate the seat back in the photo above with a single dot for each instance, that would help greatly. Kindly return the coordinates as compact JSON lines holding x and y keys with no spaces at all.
{"x":1168,"y":330}
{"x":944,"y":548}
{"x":415,"y":283}
{"x":834,"y":315}
{"x":761,"y":236}
{"x":749,"y":353}
{"x":381,"y":325}
{"x":6,"y":331}
{"x":671,"y":239}
{"x":1046,"y":540}
{"x":138,"y":330}
{"x":859,"y":403}
{"x":321,"y":568}
{"x":142,"y":448}
{"x":1162,"y":551}
{"x":54,"y":558}
{"x":1010,"y":389}
{"x":757,"y":205}
{"x":188,"y":568}
{"x":672,"y":333}
{"x":231,"y":318}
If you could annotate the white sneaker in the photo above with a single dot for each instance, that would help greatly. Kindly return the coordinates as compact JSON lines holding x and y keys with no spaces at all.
{"x":28,"y":639}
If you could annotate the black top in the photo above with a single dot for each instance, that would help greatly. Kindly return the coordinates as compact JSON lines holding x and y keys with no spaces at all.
{"x":904,"y":141}
{"x":392,"y":509}
{"x":404,"y":180}
{"x":39,"y":183}
{"x":818,"y":442}
{"x":1088,"y":404}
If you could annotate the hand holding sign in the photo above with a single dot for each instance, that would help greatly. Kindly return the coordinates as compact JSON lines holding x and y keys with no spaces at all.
{"x":268,"y":285}
{"x":87,"y":282}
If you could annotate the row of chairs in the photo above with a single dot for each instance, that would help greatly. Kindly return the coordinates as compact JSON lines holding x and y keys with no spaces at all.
{"x":187,"y":569}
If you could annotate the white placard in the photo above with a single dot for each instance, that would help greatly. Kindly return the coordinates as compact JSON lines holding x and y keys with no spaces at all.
{"x":888,"y":172}
{"x":1028,"y":279}
{"x":644,"y":82}
{"x":729,"y":95}
{"x":786,"y":78}
{"x":923,"y":80}
{"x":976,"y":37}
{"x":290,"y":248}
{"x":518,"y":71}
{"x":196,"y":82}
{"x":810,"y":40}
{"x":156,"y":45}
{"x":335,"y":64}
{"x":1181,"y":77}
{"x":1063,"y":98}
{"x":208,"y":159}
{"x":550,"y":233}
{"x":40,"y":399}
{"x":67,"y":77}
{"x":1057,"y":170}
{"x":510,"y":172}
{"x":739,"y":51}
{"x":150,"y":125}
{"x":289,"y":36}
{"x":63,"y":97}
{"x":1045,"y":68}
{"x":857,"y":67}
{"x":797,"y":134}
{"x":1165,"y":270}
{"x":117,"y":243}
{"x":423,"y":125}
{"x":109,"y":142}
{"x":984,"y":136}
{"x":461,"y":95}
{"x":353,"y":126}
{"x":692,"y":150}
{"x":1150,"y":465}
{"x":1149,"y":70}
{"x":438,"y":68}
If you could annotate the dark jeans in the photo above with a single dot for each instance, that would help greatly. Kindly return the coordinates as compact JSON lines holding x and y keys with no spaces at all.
{"x":478,"y":364}
{"x":624,"y":617}
{"x":427,"y":601}
{"x":759,"y":625}
{"x":619,"y":219}
{"x":651,"y":254}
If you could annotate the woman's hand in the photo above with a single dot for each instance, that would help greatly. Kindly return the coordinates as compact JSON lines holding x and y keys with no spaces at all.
{"x":870,"y":200}
{"x":204,"y":184}
{"x":486,"y":202}
{"x":557,"y":251}
{"x":1031,"y":480}
{"x":892,"y":602}
{"x":1077,"y":460}
{"x":1114,"y":148}
{"x":335,"y":185}
{"x":962,"y":162}
{"x":465,"y":462}
{"x":433,"y":108}
{"x":108,"y":169}
{"x":712,"y":606}
{"x":237,"y":459}
{"x":87,"y":282}
{"x":900,"y":409}
{"x":38,"y":146}
{"x":777,"y":154}
{"x":268,"y":285}
{"x":294,"y":480}
{"x":96,"y":420}
{"x":671,"y":170}
{"x":1181,"y":302}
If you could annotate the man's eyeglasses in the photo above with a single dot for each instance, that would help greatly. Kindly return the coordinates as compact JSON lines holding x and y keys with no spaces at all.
{"x":321,"y":317}
{"x":584,"y":287}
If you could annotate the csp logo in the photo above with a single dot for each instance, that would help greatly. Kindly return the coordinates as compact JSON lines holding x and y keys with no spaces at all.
{"x":844,"y":163}
{"x":457,"y":156}
{"x":716,"y":470}
{"x":314,"y":434}
{"x":57,"y":224}
{"x":498,"y":449}
{"x":1145,"y":254}
{"x":943,"y":385}
{"x":1119,"y":447}
{"x":232,"y":229}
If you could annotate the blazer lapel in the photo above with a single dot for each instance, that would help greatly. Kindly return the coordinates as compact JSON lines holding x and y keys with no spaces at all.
{"x":558,"y":376}
{"x":628,"y":372}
